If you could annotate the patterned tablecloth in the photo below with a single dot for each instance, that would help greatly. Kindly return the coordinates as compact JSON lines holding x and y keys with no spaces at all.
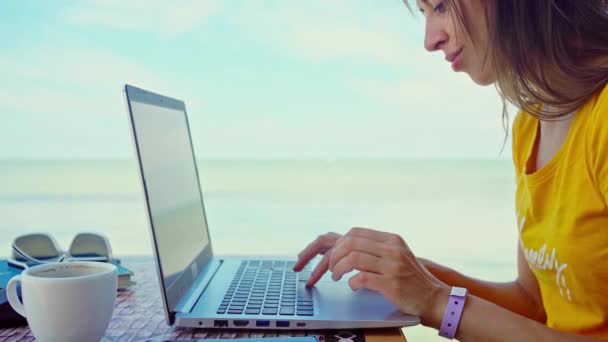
{"x":138,"y":316}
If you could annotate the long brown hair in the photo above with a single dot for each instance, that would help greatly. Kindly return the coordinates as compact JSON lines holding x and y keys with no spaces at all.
{"x":552,"y":52}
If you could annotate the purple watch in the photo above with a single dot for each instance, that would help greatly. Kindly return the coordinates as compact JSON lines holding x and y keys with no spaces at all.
{"x":453,"y":312}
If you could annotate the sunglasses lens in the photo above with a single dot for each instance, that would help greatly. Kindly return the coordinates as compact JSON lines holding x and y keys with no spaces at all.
{"x":38,"y":246}
{"x":90,"y":246}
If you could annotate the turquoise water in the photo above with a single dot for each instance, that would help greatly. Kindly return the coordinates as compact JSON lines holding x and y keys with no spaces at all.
{"x":457,"y":212}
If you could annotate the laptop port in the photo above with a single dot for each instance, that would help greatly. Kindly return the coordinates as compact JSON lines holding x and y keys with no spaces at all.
{"x":218,"y":323}
{"x":301,"y":324}
{"x":282,"y":324}
{"x":262,"y":323}
{"x":240,"y":323}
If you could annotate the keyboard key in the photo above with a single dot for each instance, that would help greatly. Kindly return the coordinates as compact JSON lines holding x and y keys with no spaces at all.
{"x":269,"y":311}
{"x":235,"y":311}
{"x":305,"y":313}
{"x":287,"y":310}
{"x":252,"y":311}
{"x":271,"y":305}
{"x":304,"y":294}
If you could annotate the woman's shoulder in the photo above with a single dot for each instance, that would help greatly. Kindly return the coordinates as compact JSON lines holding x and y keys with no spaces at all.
{"x":596,"y":135}
{"x":522,"y":135}
{"x":522,"y":124}
{"x":601,"y":104}
{"x":595,"y":114}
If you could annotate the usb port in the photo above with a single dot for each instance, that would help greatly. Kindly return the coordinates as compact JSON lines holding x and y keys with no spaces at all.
{"x":262,"y":323}
{"x":220,"y":323}
{"x":240,"y":323}
{"x":301,"y":324}
{"x":282,"y":324}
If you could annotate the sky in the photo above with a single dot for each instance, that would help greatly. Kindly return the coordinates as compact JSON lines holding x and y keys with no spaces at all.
{"x":316,"y":79}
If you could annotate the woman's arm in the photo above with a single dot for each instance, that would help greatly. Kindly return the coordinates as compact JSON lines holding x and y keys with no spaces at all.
{"x":386,"y":264}
{"x":521,"y":296}
{"x":485,"y":321}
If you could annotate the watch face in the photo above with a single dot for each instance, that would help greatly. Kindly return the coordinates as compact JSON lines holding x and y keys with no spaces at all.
{"x":458,"y":291}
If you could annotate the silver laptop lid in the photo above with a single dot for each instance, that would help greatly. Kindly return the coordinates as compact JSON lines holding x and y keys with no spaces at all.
{"x":170,"y":181}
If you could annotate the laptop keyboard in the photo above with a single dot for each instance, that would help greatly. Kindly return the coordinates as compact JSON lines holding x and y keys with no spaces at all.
{"x":268,"y":287}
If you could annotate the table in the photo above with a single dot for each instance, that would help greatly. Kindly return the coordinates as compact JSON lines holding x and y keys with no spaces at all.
{"x":138,"y":316}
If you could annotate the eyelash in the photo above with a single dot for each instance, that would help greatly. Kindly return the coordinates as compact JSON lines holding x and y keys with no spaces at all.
{"x":439,"y":8}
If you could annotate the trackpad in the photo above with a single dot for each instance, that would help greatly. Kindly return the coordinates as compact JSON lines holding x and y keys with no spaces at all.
{"x":337,"y":298}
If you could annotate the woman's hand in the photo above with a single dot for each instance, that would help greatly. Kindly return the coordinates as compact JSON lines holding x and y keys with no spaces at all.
{"x":386,"y":265}
{"x":322,"y":245}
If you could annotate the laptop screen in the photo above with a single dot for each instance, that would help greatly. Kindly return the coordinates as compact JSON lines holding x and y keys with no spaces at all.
{"x":171,"y":184}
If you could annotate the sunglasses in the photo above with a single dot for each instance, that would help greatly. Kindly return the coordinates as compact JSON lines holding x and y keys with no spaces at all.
{"x":40,"y":248}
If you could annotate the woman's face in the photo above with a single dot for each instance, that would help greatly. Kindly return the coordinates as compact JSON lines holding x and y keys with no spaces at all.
{"x":445,"y":33}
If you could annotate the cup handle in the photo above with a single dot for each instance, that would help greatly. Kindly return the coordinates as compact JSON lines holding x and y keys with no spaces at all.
{"x":11,"y":293}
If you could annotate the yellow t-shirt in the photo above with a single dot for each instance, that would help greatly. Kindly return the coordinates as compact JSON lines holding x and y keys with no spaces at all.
{"x":562,"y":216}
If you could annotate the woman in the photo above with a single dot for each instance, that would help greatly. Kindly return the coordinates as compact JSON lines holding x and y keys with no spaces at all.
{"x":549,"y":58}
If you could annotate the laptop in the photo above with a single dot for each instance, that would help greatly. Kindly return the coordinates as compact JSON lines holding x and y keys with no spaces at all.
{"x":201,"y":289}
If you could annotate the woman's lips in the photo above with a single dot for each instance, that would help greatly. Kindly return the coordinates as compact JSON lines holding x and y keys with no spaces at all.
{"x":456,"y":59}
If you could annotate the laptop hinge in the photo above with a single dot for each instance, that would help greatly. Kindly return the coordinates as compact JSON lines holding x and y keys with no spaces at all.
{"x":191,"y":296}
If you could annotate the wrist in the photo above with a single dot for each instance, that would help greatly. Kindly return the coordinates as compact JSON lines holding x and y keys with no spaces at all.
{"x":433,"y":316}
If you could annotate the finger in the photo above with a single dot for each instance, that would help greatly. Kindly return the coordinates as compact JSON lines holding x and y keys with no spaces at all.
{"x":319,"y":246}
{"x":369,"y":234}
{"x":375,"y":235}
{"x":357,"y":261}
{"x":350,"y":244}
{"x":366,"y":280}
{"x":319,"y":271}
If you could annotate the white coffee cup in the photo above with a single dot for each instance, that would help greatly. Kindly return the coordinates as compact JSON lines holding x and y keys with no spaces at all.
{"x":66,"y":301}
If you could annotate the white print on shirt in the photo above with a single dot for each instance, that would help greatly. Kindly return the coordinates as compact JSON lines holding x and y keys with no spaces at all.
{"x":542,"y":260}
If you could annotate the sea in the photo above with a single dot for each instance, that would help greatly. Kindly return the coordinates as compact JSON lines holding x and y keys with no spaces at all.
{"x":459,"y":213}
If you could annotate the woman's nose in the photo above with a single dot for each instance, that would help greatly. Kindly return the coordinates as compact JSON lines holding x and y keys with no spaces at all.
{"x":434,"y":36}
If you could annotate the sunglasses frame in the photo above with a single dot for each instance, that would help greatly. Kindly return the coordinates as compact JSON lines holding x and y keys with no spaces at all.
{"x":63,"y":256}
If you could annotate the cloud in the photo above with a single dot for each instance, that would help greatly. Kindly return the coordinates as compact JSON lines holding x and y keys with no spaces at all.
{"x":66,"y":101}
{"x":163,"y":17}
{"x":372,"y":90}
{"x":329,"y":30}
{"x":418,"y":83}
{"x":58,"y":78}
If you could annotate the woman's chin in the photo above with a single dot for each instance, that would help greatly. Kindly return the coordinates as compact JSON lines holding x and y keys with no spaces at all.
{"x":482,"y":79}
